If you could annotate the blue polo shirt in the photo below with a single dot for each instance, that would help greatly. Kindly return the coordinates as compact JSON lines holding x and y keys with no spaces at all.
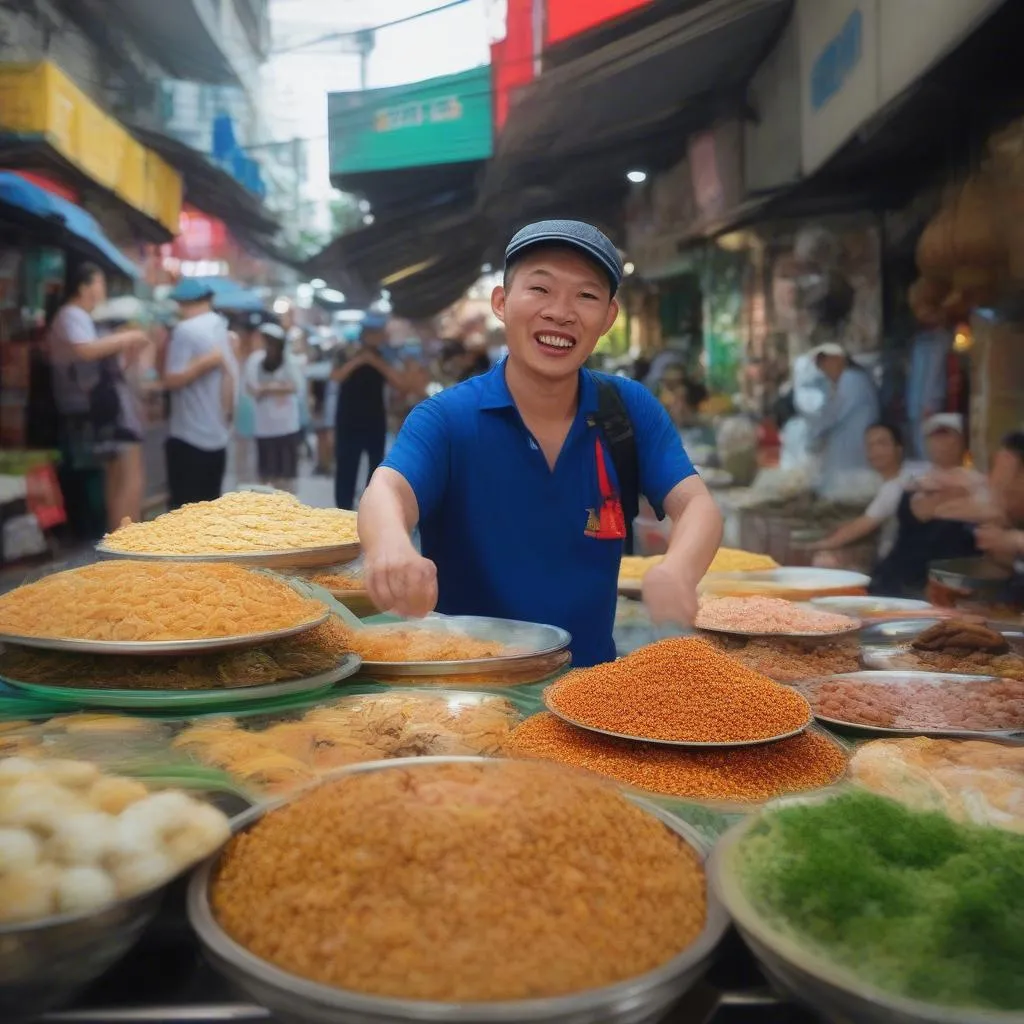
{"x":508,"y":534}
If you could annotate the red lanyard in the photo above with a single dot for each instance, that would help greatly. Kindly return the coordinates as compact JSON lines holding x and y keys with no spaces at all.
{"x":610,"y":522}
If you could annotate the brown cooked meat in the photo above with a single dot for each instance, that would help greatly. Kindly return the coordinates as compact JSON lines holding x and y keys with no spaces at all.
{"x":958,"y":635}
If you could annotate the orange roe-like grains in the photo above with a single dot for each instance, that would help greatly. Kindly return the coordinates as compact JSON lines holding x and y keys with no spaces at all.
{"x":462,"y":882}
{"x":738,"y":774}
{"x":679,"y":690}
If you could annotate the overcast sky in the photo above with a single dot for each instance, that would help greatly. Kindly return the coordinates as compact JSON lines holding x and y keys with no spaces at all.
{"x":297,"y":83}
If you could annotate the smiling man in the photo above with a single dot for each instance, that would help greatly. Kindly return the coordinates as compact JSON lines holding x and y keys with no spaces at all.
{"x":513,"y":476}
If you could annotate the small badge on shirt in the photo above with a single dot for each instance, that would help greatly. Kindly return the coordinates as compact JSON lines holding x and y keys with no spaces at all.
{"x":609,"y":523}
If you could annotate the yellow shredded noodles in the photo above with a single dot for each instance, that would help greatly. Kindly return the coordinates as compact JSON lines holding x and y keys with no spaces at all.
{"x":241,"y":522}
{"x":154,"y":601}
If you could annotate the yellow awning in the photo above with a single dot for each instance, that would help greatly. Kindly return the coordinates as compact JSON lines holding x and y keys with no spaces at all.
{"x":39,"y":99}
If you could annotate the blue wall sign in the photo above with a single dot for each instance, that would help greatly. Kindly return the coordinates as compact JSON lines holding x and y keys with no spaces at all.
{"x":834,"y":65}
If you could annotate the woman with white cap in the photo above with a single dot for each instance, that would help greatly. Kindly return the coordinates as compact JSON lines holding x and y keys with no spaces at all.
{"x":272,"y":379}
{"x":837,"y":431}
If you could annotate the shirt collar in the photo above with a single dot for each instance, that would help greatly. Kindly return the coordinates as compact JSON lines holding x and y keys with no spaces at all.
{"x":496,"y":395}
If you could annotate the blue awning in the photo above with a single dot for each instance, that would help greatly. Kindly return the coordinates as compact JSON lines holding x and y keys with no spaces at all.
{"x":231,"y":297}
{"x":80,"y":229}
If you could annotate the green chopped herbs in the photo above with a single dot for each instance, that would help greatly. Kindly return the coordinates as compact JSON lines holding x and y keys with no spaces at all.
{"x":911,"y":902}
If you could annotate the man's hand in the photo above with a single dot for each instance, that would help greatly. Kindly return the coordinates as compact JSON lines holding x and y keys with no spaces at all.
{"x":135,"y":339}
{"x":401,"y":580}
{"x":1003,"y":545}
{"x":669,"y":596}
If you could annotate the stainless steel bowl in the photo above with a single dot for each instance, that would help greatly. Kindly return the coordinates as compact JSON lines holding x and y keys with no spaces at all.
{"x":44,"y":964}
{"x":832,"y":991}
{"x":293,"y":1000}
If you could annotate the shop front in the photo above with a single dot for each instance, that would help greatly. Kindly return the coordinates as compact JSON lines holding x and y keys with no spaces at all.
{"x":74,"y":186}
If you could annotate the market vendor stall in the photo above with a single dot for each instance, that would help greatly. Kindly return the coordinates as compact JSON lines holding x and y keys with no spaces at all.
{"x":685,"y":739}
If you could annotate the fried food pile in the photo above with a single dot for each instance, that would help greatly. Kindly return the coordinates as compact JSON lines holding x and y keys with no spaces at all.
{"x":958,"y":636}
{"x":361,"y":728}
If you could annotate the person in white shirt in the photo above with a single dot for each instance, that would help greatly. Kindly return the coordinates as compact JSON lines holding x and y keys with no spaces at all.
{"x":884,"y":446}
{"x":101,"y":422}
{"x":272,"y":379}
{"x":201,"y":374}
{"x":925,"y":534}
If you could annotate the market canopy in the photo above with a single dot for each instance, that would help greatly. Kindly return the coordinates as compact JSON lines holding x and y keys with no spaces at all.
{"x":634,"y":84}
{"x":634,"y":100}
{"x":401,"y":252}
{"x":22,"y":201}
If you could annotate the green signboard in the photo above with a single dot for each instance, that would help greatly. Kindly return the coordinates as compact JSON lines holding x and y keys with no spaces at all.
{"x":440,"y":121}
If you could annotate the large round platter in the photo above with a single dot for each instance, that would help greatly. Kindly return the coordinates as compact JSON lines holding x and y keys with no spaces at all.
{"x":102,"y":698}
{"x":299,"y":558}
{"x":670,"y":743}
{"x":895,"y":680}
{"x":168,"y":647}
{"x":288,"y":997}
{"x":903,"y":631}
{"x":877,"y":608}
{"x":834,"y":992}
{"x":803,"y":583}
{"x":791,"y":635}
{"x":530,"y":641}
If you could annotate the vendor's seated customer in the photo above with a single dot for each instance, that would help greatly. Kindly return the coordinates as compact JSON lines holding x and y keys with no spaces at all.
{"x":922,"y":537}
{"x":884,"y":445}
{"x":1001,"y":536}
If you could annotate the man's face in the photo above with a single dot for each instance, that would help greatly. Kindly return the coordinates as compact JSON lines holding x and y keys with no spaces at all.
{"x":372,"y":337}
{"x":946,"y":448}
{"x":884,"y":454}
{"x":555,"y":310}
{"x":94,"y":293}
{"x":832,"y":366}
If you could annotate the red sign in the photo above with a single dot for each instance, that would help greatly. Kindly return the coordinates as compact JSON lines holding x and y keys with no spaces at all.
{"x":44,"y":498}
{"x":568,"y":18}
{"x":512,"y":58}
{"x":51,"y":185}
{"x":200,"y":237}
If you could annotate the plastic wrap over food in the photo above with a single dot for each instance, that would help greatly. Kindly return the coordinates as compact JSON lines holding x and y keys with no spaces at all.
{"x":74,"y":840}
{"x":280,"y":754}
{"x":969,"y":780}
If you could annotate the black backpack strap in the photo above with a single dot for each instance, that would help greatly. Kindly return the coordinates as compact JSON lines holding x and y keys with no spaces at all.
{"x":612,"y":419}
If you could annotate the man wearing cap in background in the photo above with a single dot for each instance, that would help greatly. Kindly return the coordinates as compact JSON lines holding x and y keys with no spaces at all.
{"x":361,"y":422}
{"x":928,"y":526}
{"x":837,"y":432}
{"x":201,"y":375}
{"x":512,"y":476}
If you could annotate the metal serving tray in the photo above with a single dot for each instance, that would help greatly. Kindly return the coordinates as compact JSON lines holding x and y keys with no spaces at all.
{"x":187,"y":700}
{"x":895,"y":680}
{"x":754,"y":634}
{"x":298,"y":558}
{"x":219,"y":643}
{"x":903,"y":631}
{"x":529,"y":641}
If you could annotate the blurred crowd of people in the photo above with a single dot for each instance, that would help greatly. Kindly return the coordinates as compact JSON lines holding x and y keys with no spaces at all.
{"x":247,"y":390}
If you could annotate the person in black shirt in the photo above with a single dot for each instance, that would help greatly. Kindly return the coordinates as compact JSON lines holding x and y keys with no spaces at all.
{"x":361,"y":418}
